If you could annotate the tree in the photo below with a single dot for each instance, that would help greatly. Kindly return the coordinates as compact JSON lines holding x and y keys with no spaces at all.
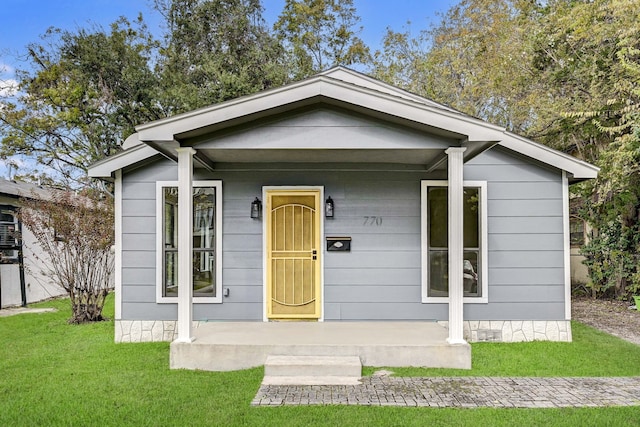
{"x":88,"y":89}
{"x":86,"y":93}
{"x":401,"y":62}
{"x":75,"y":232}
{"x":320,"y":34}
{"x":474,"y":60}
{"x":612,"y":202}
{"x":586,"y":54}
{"x":563,"y":72}
{"x":216,"y":50}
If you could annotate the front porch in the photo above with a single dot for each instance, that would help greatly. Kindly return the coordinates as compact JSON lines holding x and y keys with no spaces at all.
{"x":227,"y":346}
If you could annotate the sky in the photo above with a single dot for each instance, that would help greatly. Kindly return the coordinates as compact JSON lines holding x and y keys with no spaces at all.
{"x":24,"y":21}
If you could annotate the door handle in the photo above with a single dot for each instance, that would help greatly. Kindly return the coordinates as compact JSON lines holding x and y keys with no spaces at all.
{"x":314,"y":253}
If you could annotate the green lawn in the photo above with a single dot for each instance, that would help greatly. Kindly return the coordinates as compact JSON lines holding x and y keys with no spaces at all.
{"x":52,"y":373}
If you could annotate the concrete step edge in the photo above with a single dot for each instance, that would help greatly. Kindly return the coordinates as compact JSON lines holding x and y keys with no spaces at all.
{"x":290,"y":360}
{"x":310,"y":380}
{"x":321,"y":366}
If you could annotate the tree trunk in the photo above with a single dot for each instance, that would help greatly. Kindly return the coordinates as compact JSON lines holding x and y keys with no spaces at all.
{"x":87,"y":306}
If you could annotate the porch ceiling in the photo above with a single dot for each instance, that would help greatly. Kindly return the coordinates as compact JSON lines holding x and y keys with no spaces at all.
{"x":201,"y":128}
{"x":432,"y":158}
{"x":416,"y":156}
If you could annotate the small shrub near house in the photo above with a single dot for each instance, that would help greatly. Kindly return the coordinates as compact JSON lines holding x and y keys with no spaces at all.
{"x":75,"y":235}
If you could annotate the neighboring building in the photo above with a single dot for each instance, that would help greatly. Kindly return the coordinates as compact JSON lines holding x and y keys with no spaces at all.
{"x":327,"y":200}
{"x":579,"y":235}
{"x":22,"y":278}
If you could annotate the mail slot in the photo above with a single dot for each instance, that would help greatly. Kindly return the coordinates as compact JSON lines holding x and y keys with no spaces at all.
{"x":342,"y":244}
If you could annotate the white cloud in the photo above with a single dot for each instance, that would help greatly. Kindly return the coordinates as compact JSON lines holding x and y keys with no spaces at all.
{"x":8,"y":82}
{"x":8,"y":87}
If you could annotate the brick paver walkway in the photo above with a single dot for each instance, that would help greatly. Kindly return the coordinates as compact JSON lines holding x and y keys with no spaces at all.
{"x":461,"y":392}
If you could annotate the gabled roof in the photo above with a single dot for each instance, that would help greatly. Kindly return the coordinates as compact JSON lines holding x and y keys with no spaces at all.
{"x":350,"y":76}
{"x":346,"y":89}
{"x":16,"y":189}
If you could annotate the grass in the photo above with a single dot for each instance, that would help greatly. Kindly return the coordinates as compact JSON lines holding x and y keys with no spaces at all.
{"x":591,"y":354}
{"x":52,"y":374}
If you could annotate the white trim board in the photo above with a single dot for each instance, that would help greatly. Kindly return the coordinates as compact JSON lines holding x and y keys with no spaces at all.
{"x":106,"y":167}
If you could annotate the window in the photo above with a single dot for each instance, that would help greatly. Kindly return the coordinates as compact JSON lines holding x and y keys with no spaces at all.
{"x":577,"y":232}
{"x":206,"y":241}
{"x":8,"y":236}
{"x":435,"y":242}
{"x":7,"y":229}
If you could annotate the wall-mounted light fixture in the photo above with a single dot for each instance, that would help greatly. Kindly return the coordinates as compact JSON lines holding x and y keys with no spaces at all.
{"x":256,"y":209}
{"x":328,"y":207}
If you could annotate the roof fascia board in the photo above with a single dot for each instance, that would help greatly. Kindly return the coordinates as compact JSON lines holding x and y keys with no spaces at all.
{"x":473,"y":128}
{"x":578,"y":168}
{"x":216,"y":108}
{"x":354,"y":77}
{"x":322,"y":86}
{"x":106,"y":167}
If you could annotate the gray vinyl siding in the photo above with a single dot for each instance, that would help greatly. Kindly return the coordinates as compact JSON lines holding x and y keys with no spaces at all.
{"x":380,"y":279}
{"x":325,"y":129}
{"x":525,"y":238}
{"x":139,"y":242}
{"x":383,"y":266}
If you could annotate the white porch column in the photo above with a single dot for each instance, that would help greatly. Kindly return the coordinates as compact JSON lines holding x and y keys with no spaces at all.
{"x":456,"y":244}
{"x":185,"y":253}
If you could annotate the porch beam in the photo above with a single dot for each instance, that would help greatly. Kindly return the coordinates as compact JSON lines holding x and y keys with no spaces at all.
{"x":435,"y":163}
{"x":185,"y":252}
{"x":165,"y":148}
{"x":456,"y":243}
{"x":205,"y":161}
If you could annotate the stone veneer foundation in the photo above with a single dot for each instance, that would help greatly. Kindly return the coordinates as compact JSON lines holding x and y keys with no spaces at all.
{"x":474,"y":330}
{"x":147,"y":330}
{"x":515,"y":330}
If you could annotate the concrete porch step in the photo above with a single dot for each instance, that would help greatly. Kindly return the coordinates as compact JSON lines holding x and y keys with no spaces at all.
{"x":312,"y":370}
{"x":228,"y":346}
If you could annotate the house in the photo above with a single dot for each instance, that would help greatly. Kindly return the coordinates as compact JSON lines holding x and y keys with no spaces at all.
{"x":340,"y":198}
{"x":22,"y":276}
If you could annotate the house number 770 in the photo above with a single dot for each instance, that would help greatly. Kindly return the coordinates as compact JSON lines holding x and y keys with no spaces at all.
{"x":372,"y":221}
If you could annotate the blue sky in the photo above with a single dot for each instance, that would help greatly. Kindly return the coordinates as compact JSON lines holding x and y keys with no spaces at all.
{"x":23,"y":21}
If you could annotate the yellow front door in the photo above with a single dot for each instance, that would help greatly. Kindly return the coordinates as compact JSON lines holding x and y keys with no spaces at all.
{"x":293,"y":254}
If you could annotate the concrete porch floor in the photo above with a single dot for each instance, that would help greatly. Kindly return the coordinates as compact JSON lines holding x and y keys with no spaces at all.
{"x":228,"y":346}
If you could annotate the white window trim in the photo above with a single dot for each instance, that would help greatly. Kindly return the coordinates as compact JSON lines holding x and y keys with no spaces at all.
{"x":424,"y":226}
{"x":160,"y":299}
